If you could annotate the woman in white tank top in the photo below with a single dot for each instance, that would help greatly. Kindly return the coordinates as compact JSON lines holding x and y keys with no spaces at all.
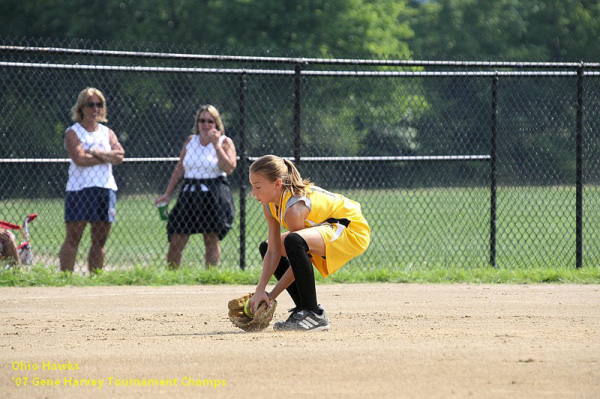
{"x":91,"y":197}
{"x":205,"y":204}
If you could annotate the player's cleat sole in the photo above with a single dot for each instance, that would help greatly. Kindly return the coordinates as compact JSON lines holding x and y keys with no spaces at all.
{"x":304,"y":320}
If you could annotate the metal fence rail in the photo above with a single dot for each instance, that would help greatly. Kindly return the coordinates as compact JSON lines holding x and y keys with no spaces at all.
{"x":460,"y":164}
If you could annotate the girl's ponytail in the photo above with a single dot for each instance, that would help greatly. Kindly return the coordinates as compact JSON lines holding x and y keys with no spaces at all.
{"x":273,"y":167}
{"x":293,"y":181}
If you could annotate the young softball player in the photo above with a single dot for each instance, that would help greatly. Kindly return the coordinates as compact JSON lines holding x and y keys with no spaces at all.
{"x":324,"y":229}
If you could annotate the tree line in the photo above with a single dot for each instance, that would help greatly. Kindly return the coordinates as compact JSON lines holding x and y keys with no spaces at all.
{"x":540,"y":30}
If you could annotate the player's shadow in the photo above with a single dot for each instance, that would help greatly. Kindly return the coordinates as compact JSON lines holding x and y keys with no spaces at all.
{"x":205,"y":334}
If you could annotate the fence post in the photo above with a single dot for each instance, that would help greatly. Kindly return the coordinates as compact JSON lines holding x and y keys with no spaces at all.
{"x":493,"y":181}
{"x":243,"y":166}
{"x":579,"y":172}
{"x":297,"y":137}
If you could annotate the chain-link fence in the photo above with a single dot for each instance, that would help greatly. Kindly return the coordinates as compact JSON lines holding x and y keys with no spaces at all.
{"x":459,"y":164}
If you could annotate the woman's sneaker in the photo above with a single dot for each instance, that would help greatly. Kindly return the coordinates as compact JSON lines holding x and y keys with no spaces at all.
{"x":304,"y":320}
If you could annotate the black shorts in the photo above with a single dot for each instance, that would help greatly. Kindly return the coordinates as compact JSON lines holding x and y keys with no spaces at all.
{"x":203,"y":206}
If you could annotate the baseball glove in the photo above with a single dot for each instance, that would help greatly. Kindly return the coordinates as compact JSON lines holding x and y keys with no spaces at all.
{"x":259,"y":320}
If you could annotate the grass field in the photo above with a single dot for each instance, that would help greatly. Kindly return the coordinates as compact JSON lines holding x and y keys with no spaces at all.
{"x":420,"y":230}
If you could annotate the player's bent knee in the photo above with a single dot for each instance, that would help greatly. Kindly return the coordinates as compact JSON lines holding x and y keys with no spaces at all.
{"x":294,"y":243}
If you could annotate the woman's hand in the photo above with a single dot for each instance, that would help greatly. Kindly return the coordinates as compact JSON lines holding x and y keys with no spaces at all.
{"x":163,"y":198}
{"x":214,"y":135}
{"x":80,"y":156}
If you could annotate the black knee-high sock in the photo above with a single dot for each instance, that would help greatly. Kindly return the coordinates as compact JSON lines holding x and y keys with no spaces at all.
{"x":282,"y":267}
{"x":297,"y":253}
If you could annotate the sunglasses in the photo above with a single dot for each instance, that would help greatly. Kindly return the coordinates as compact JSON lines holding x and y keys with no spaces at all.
{"x":93,"y":104}
{"x":209,"y":121}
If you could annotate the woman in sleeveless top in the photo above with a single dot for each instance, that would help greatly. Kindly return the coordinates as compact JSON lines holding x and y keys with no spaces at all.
{"x":205,"y":204}
{"x":91,"y":187}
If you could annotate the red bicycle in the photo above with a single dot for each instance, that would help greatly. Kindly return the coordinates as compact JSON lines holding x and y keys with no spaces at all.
{"x":25,"y":248}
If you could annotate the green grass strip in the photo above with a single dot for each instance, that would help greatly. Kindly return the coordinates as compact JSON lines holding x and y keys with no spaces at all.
{"x":41,"y":276}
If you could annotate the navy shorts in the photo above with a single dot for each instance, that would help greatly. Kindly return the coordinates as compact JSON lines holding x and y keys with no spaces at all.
{"x":92,"y":204}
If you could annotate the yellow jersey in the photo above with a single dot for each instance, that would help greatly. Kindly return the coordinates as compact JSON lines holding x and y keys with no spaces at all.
{"x":338,"y":219}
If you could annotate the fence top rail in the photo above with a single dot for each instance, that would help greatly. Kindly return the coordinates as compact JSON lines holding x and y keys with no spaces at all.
{"x":291,"y":72}
{"x":297,"y":60}
{"x":399,"y":158}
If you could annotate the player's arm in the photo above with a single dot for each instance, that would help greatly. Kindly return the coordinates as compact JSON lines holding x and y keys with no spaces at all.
{"x":294,"y":217}
{"x":270,"y":261}
{"x":10,"y":250}
{"x":113,"y":156}
{"x":77,"y":153}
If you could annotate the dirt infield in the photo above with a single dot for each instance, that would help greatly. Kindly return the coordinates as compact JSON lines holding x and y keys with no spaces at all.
{"x":387,"y":341}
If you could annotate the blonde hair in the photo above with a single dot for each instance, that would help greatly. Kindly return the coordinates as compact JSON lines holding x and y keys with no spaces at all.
{"x":84,"y":96}
{"x":214,"y":113}
{"x":273,"y":167}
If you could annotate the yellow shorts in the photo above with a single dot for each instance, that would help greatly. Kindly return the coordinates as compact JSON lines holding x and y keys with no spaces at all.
{"x":341,"y":244}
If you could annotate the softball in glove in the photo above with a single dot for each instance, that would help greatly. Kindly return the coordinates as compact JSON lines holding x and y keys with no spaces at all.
{"x":259,"y":320}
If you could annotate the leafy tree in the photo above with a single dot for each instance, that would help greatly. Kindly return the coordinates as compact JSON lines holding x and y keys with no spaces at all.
{"x":305,"y":27}
{"x":567,"y":30}
{"x":528,"y":30}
